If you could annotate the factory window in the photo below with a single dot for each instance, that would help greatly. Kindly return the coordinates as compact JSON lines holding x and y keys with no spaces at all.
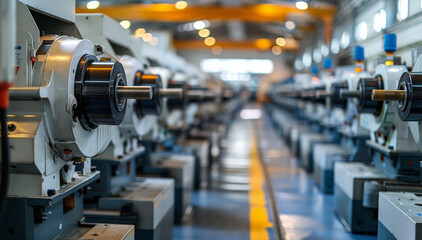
{"x":253,"y":66}
{"x":402,"y":9}
{"x":307,"y":59}
{"x":345,"y":40}
{"x":324,"y":50}
{"x":361,"y":31}
{"x":317,"y":55}
{"x":380,"y":20}
{"x":335,"y":46}
{"x":298,"y":64}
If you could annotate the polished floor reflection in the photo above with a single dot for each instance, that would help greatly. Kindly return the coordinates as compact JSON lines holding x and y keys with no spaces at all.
{"x":221,"y":211}
{"x":305,"y":212}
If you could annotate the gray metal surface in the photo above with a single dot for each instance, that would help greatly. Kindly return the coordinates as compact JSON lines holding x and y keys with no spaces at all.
{"x":151,"y":199}
{"x":401,"y":214}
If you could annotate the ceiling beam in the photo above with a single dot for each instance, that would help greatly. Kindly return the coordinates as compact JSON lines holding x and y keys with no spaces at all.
{"x":164,"y":12}
{"x":230,"y":44}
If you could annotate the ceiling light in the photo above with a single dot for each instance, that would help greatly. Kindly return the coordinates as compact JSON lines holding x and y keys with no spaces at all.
{"x":92,"y":4}
{"x":153,"y":41}
{"x":280,"y":42}
{"x":301,"y":5}
{"x":147,"y":37}
{"x":181,"y":5}
{"x":276,"y":50}
{"x":216,"y":50}
{"x":290,"y":25}
{"x":209,"y":41}
{"x":204,"y":33}
{"x":140,"y":32}
{"x":125,"y":24}
{"x":198,"y":25}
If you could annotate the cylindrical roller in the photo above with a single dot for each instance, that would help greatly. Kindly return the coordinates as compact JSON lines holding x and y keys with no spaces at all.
{"x":177,"y":103}
{"x":335,"y":99}
{"x":135,"y":92}
{"x":96,"y":84}
{"x":322,"y":94}
{"x":410,"y":108}
{"x":320,"y":100}
{"x":154,"y":105}
{"x":307,"y":95}
{"x":195,"y":94}
{"x":175,"y":93}
{"x":365,"y":86}
{"x":344,"y":93}
{"x":388,"y":95}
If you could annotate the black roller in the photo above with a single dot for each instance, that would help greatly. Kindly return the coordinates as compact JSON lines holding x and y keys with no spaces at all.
{"x":198,"y":97}
{"x":180,"y":103}
{"x":318,"y":100}
{"x":365,"y":86}
{"x":96,"y":83}
{"x":335,"y":99}
{"x":411,"y":108}
{"x":153,"y":106}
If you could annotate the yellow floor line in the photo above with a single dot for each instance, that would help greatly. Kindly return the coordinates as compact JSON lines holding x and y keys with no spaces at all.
{"x":258,"y":214}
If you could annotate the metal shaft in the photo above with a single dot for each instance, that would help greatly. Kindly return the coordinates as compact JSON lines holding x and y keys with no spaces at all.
{"x":134,"y":92}
{"x":349,"y":93}
{"x":323,"y":94}
{"x":195,"y":94}
{"x":388,"y":95}
{"x":173,"y":93}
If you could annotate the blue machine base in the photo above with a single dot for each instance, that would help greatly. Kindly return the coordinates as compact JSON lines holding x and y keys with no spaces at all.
{"x":353,"y":215}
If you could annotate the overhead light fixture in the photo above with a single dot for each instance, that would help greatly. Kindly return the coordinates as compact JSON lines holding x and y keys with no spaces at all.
{"x":153,"y":41}
{"x":216,"y":50}
{"x":280,"y":42}
{"x":140,"y":32}
{"x":301,"y":5}
{"x":147,"y":37}
{"x":125,"y":24}
{"x":290,"y":25}
{"x":181,"y":5}
{"x":209,"y":41}
{"x":92,"y":4}
{"x":198,"y":25}
{"x":204,"y":33}
{"x":276,"y":50}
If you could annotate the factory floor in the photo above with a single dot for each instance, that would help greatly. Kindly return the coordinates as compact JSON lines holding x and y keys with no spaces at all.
{"x":238,"y":205}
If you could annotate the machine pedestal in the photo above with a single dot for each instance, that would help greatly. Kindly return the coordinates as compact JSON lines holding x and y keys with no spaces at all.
{"x":181,"y":169}
{"x":307,"y":142}
{"x":325,"y":156}
{"x":349,"y":180}
{"x":400,"y":216}
{"x":201,"y":151}
{"x":147,"y":204}
{"x":50,"y":217}
{"x":115,"y":175}
{"x":403,"y":166}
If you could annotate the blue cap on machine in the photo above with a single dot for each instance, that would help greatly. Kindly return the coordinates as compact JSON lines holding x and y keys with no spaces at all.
{"x":328,"y":63}
{"x":314,"y":69}
{"x":390,"y":42}
{"x":359,"y":54}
